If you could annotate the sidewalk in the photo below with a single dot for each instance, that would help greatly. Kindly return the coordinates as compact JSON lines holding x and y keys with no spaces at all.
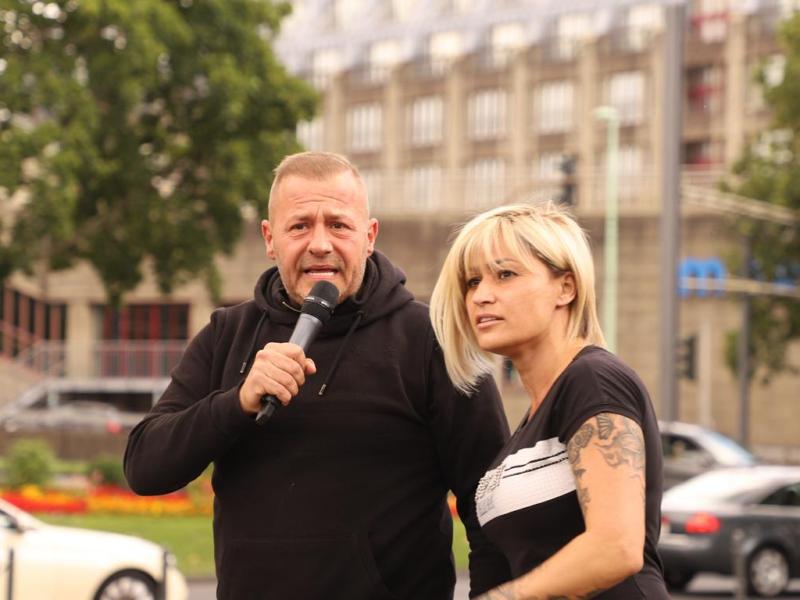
{"x":203,"y":589}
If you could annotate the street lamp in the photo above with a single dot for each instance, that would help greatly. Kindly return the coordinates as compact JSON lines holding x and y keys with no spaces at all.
{"x":610,"y":115}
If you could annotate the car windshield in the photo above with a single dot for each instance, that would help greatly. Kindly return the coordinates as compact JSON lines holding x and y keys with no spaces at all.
{"x":718,"y":486}
{"x":729,"y":452}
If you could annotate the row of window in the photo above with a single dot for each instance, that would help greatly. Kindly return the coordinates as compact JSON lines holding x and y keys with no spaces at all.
{"x":639,"y":23}
{"x":25,"y":320}
{"x":485,"y":181}
{"x":487,"y":114}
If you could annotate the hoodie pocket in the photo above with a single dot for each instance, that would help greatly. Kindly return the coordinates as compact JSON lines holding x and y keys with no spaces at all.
{"x":304,"y":568}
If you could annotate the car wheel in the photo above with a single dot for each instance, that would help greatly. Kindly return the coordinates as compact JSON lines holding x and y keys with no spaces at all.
{"x":767,"y":572}
{"x":127,"y":585}
{"x":677,"y":580}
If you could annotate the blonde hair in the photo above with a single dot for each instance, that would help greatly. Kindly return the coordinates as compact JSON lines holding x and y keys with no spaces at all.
{"x":545,"y":232}
{"x":317,"y":166}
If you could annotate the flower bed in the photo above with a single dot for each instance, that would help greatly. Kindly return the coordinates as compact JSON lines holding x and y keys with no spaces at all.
{"x":105,"y":499}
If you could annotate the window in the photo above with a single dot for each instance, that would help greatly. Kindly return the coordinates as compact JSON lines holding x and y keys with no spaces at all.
{"x":643,"y":21}
{"x":704,"y":89}
{"x":485,"y":183}
{"x":548,"y":166}
{"x":311,"y":134}
{"x":506,"y":38}
{"x":571,"y":31}
{"x":625,"y":92}
{"x":423,"y":186}
{"x":425,"y":121}
{"x":554,"y":107}
{"x":710,"y":20}
{"x":364,"y":127}
{"x":700,"y":153}
{"x":404,"y":10}
{"x":25,"y":320}
{"x":373,"y":180}
{"x":145,"y":322}
{"x":325,"y":64}
{"x":486,"y":114}
{"x":631,"y":168}
{"x":785,"y":496}
{"x":446,"y":46}
{"x":347,"y":12}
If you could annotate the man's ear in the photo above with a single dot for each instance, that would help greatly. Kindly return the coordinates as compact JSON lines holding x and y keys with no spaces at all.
{"x":372,"y":235}
{"x":266,"y":233}
{"x":568,"y":289}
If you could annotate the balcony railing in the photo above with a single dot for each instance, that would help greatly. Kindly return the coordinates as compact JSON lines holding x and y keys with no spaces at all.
{"x":134,"y":358}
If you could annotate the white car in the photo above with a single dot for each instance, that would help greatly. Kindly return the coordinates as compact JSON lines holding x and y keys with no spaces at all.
{"x":38,"y":560}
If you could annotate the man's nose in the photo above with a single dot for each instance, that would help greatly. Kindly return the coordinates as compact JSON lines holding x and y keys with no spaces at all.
{"x":320,"y":241}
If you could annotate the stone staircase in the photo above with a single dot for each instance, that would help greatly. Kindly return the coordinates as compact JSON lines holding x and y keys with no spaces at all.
{"x":18,"y":374}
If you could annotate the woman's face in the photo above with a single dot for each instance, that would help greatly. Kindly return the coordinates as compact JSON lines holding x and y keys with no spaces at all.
{"x":511,"y":305}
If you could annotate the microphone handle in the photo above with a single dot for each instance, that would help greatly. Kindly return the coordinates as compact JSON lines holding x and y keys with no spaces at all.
{"x":268,"y":406}
{"x":304,"y":333}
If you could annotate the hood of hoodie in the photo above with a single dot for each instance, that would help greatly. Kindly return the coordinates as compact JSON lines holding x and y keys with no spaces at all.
{"x":382,"y":292}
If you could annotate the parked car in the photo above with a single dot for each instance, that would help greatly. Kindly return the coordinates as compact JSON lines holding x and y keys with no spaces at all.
{"x":702,"y":518}
{"x":78,"y":415}
{"x":62,"y":563}
{"x":691,"y":449}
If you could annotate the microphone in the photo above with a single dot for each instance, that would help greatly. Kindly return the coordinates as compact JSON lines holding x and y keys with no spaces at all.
{"x":317,"y":309}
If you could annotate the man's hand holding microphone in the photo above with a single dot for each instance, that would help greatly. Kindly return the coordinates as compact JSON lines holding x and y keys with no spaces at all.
{"x":279,"y":369}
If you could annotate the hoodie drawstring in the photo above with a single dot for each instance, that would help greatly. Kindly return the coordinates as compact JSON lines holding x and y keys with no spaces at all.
{"x":253,"y":343}
{"x":332,"y":370}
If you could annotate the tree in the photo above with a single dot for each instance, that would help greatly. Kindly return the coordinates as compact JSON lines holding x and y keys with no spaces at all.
{"x":135,"y":133}
{"x":770,"y":171}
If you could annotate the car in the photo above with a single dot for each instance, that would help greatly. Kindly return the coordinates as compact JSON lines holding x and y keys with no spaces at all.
{"x":38,"y":560}
{"x":691,"y":449}
{"x":734,"y":521}
{"x":78,"y":415}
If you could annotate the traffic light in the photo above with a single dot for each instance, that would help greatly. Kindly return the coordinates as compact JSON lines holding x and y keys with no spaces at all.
{"x":687,"y":357}
{"x":567,"y":168}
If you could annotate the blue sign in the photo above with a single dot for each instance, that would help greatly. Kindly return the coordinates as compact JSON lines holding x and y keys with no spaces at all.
{"x":704,"y":270}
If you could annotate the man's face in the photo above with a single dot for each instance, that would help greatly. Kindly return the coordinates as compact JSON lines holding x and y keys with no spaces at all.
{"x":320,"y":230}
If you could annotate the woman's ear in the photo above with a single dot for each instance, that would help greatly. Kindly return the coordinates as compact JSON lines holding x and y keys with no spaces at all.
{"x":568,"y":289}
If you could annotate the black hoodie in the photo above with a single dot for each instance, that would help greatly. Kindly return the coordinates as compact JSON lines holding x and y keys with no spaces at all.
{"x":339,"y":495}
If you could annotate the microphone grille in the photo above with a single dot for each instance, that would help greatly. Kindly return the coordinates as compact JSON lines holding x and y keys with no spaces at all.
{"x":321,"y":300}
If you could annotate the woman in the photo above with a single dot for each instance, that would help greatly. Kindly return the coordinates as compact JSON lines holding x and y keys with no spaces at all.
{"x":573,"y":499}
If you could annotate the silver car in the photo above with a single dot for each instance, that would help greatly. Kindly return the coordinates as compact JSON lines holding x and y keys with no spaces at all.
{"x":691,"y":449}
{"x":734,"y":521}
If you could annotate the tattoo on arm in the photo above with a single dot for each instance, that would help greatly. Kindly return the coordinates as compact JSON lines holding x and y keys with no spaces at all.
{"x":619,"y":441}
{"x":624,"y":445}
{"x":575,"y":446}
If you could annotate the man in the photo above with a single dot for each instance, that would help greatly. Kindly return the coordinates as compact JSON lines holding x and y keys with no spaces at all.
{"x":342,"y":494}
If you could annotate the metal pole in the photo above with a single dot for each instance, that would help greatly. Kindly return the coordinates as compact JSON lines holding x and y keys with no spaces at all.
{"x":10,"y":579}
{"x":672,"y":125}
{"x":744,"y":354}
{"x":611,"y":240}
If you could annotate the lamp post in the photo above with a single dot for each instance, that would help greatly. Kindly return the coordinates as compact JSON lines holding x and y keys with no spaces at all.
{"x":610,"y":115}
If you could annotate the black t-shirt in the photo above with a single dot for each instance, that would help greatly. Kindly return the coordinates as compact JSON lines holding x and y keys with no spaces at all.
{"x":527,"y":503}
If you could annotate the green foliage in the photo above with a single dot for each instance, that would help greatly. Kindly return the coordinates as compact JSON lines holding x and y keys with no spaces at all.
{"x":133,"y":133}
{"x":29,"y":462}
{"x":770,"y":171}
{"x":106,"y":469}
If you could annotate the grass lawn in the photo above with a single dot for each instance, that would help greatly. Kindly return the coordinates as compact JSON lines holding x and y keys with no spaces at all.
{"x":190,"y":538}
